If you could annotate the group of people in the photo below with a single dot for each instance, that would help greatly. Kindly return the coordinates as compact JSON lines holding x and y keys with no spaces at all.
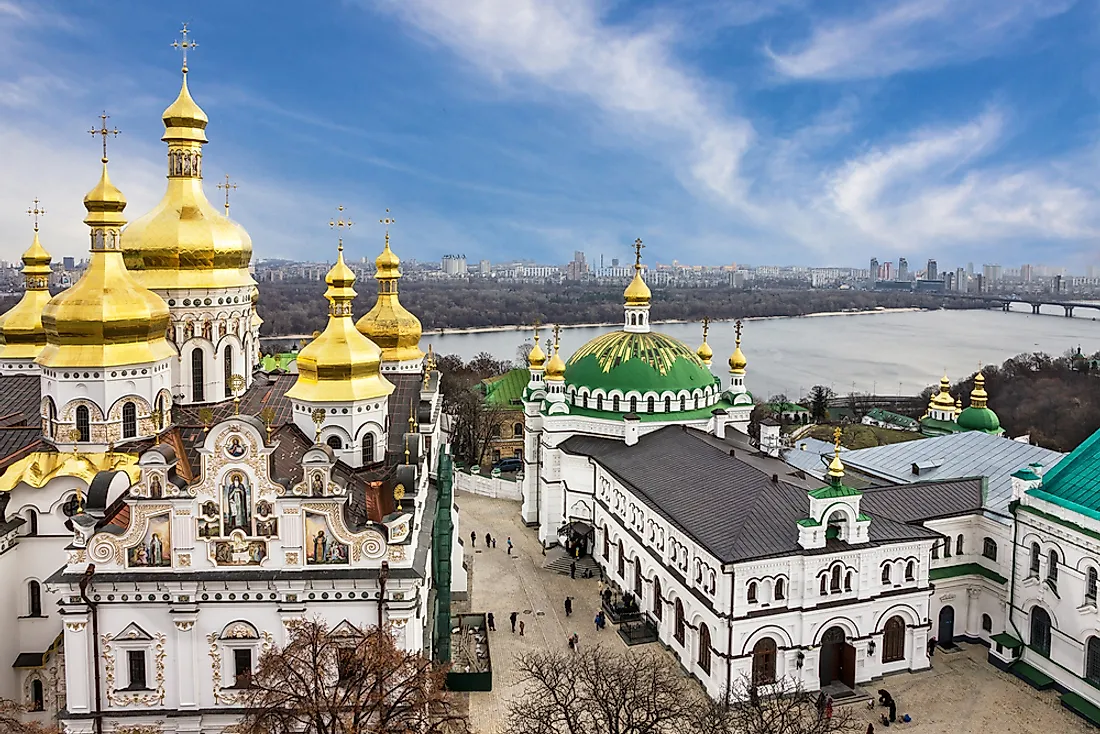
{"x":885,"y":699}
{"x":490,"y":541}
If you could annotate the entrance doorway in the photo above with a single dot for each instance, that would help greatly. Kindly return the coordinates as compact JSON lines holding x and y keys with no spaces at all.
{"x":838,"y":659}
{"x":946,"y":636}
{"x":577,"y":536}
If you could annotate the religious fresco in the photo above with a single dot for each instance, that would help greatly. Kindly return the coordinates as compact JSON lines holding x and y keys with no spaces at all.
{"x":322,"y":547}
{"x":235,"y":448}
{"x":155,"y":549}
{"x":155,"y":489}
{"x":237,"y":504}
{"x":239,"y":552}
{"x":267,"y":528}
{"x":317,"y":484}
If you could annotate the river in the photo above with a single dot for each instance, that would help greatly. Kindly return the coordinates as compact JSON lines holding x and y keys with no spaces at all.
{"x":885,"y":353}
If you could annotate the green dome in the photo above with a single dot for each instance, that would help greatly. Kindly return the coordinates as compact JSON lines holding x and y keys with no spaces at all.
{"x":979,"y":419}
{"x":642,"y":362}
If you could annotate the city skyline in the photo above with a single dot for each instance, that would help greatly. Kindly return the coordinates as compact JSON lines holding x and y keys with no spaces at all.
{"x":713,"y":131}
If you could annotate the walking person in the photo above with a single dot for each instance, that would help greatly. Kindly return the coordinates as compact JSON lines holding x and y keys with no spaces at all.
{"x":572,"y":569}
{"x":509,"y":545}
{"x":521,"y":628}
{"x":512,"y":618}
{"x":494,"y":543}
{"x":492,"y":622}
{"x":568,"y":606}
{"x":576,"y":642}
{"x":488,"y":540}
{"x":828,"y":708}
{"x":820,"y":704}
{"x":473,"y":539}
{"x":571,"y":647}
{"x":870,"y":729}
{"x":931,"y":647}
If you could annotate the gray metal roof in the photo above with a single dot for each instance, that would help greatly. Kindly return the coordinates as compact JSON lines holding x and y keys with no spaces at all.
{"x":969,"y":454}
{"x":806,"y":454}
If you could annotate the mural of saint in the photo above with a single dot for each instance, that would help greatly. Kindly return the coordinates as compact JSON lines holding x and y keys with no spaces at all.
{"x":322,"y":547}
{"x":267,"y":528}
{"x":238,"y":507}
{"x":209,"y":529}
{"x":318,"y":485}
{"x":155,"y":549}
{"x":155,"y":490}
{"x":235,"y":448}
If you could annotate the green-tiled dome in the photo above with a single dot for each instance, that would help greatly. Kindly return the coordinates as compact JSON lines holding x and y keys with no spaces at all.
{"x":979,"y":419}
{"x":637,"y":361}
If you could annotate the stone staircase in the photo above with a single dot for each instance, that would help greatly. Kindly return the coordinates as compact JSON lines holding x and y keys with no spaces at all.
{"x":557,"y":560}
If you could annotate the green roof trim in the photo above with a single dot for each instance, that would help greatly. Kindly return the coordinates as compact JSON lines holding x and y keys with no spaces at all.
{"x":861,"y":517}
{"x":1054,"y":518}
{"x":809,"y":522}
{"x":786,"y":408}
{"x":643,"y":362}
{"x":936,"y":427}
{"x":1026,"y":474}
{"x":1074,"y":482}
{"x":886,"y":416}
{"x":1032,"y":675}
{"x":1006,"y":640}
{"x":673,"y":417}
{"x":1082,"y":707}
{"x":965,"y":569}
{"x":831,"y":491}
{"x":506,"y":391}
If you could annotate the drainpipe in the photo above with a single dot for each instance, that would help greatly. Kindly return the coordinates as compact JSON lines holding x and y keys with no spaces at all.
{"x":729,"y":642}
{"x":383,"y":577}
{"x":1012,"y":581}
{"x":85,"y":580}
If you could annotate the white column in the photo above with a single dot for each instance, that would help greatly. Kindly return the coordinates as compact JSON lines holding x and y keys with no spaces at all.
{"x":78,"y":675}
{"x":973,"y":612}
{"x":186,"y":667}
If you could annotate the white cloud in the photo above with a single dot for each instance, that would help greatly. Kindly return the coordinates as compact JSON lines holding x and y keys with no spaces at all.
{"x":902,"y":35}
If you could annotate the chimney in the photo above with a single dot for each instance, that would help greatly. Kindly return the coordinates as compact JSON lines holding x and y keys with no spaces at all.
{"x":719,"y":422}
{"x":631,"y":424}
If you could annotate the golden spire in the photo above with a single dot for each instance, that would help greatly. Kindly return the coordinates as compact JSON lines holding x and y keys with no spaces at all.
{"x":978,"y":396}
{"x":942,"y":400}
{"x":704,"y":352}
{"x":22,"y":335}
{"x":737,"y":360}
{"x":536,"y":358}
{"x":227,"y":185}
{"x":555,"y":368}
{"x":836,"y":467}
{"x":637,"y":293}
{"x":958,"y":406}
{"x":389,"y":324}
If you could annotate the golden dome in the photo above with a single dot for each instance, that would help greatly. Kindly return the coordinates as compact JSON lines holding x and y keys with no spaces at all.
{"x":942,"y":400}
{"x":738,"y":361}
{"x":536,"y":358}
{"x":22,"y":335}
{"x":836,"y":466}
{"x":637,"y":293}
{"x":389,"y":324}
{"x":340,"y":364}
{"x":555,"y":368}
{"x":106,"y":318}
{"x":184,"y":242}
{"x":705,"y":353}
{"x":978,"y":396}
{"x":958,"y":406}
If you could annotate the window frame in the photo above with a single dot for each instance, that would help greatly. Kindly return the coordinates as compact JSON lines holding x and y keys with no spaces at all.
{"x":132,"y":656}
{"x":764,"y":654}
{"x":129,"y":419}
{"x":703,"y":658}
{"x":893,"y":640}
{"x":989,"y":548}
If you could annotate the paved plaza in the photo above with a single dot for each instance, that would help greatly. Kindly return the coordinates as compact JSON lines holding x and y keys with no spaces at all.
{"x":962,"y":694}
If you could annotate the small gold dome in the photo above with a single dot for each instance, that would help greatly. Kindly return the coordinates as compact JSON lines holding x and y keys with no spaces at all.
{"x":388,"y":264}
{"x":958,"y":406}
{"x":637,"y":293}
{"x":555,"y":368}
{"x":705,"y":353}
{"x":942,"y":400}
{"x":106,"y":319}
{"x":184,"y":119}
{"x":536,"y":358}
{"x":389,"y":324}
{"x":738,"y":363}
{"x":22,"y":335}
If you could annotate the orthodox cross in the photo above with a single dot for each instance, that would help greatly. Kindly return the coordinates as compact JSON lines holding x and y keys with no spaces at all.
{"x":268,"y":417}
{"x":557,"y":336}
{"x":206,"y":416}
{"x":638,"y":247}
{"x":837,"y":433}
{"x":340,"y":223}
{"x":399,"y":494}
{"x":103,"y":131}
{"x":236,"y":384}
{"x":706,"y":327}
{"x":227,"y":185}
{"x":737,"y":329}
{"x":387,"y":221}
{"x":36,"y":212}
{"x":318,"y":416}
{"x":184,"y":45}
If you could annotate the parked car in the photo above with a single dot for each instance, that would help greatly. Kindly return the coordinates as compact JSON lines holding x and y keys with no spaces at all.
{"x":509,"y":465}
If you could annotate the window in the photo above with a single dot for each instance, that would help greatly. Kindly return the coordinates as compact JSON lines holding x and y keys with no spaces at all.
{"x":848,"y":581}
{"x":51,"y":416}
{"x":989,"y":548}
{"x":1090,"y":586}
{"x":34,"y":599}
{"x":633,"y":404}
{"x":824,"y":585}
{"x":228,"y":366}
{"x":129,"y":420}
{"x":368,"y":448}
{"x":947,"y":547}
{"x":683,"y":402}
{"x":678,"y":631}
{"x":1092,"y":660}
{"x":658,"y":602}
{"x":1033,"y":569}
{"x":959,"y":545}
{"x":1052,"y":567}
{"x":622,"y":561}
{"x":335,"y":442}
{"x":987,"y":623}
{"x":32,"y":522}
{"x":704,"y":648}
{"x":893,"y":640}
{"x":599,"y":402}
{"x":638,"y":578}
{"x":780,"y":589}
{"x":834,"y":583}
{"x":763,"y":662}
{"x":651,"y":405}
{"x":161,"y":417}
{"x":517,"y":430}
{"x":83,"y":423}
{"x":910,"y":571}
{"x":615,"y":404}
{"x":1040,"y":631}
{"x":346,"y":664}
{"x":135,"y":661}
{"x":494,"y":432}
{"x":886,"y":575}
{"x":936,"y":550}
{"x":606,"y":545}
{"x":668,"y":403}
{"x":38,"y":696}
{"x":198,"y":389}
{"x":751,"y":594}
{"x":242,"y":668}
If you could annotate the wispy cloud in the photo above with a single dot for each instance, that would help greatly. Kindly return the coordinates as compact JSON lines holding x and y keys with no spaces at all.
{"x":902,"y":35}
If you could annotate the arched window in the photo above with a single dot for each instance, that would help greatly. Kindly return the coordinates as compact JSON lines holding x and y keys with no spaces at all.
{"x":198,"y":389}
{"x":517,"y":430}
{"x":834,"y":584}
{"x":751,"y":593}
{"x":622,"y":561}
{"x":780,"y":589}
{"x":893,"y":640}
{"x":494,"y":431}
{"x":947,"y":547}
{"x":129,"y":420}
{"x":83,"y":423}
{"x":161,"y":417}
{"x":678,"y":629}
{"x":824,"y":585}
{"x":1052,"y":567}
{"x":368,"y":448}
{"x":32,"y":522}
{"x":599,"y":402}
{"x":1033,"y":568}
{"x":38,"y":696}
{"x":935,"y":550}
{"x":704,"y":648}
{"x":668,"y":403}
{"x":615,"y":404}
{"x":638,"y":578}
{"x":335,"y":442}
{"x":1092,"y":661}
{"x":633,"y":403}
{"x":658,"y":602}
{"x":584,"y":400}
{"x":959,"y":545}
{"x":848,"y":581}
{"x":651,"y":405}
{"x":910,"y":571}
{"x":886,"y":575}
{"x":989,"y":548}
{"x":987,"y":623}
{"x":763,"y":662}
{"x":1090,"y":585}
{"x":51,"y":417}
{"x":1040,"y":631}
{"x":606,"y":545}
{"x":228,"y":371}
{"x":683,"y":402}
{"x":34,"y":599}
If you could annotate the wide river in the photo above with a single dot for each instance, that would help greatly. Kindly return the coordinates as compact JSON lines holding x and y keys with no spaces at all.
{"x":886,"y":353}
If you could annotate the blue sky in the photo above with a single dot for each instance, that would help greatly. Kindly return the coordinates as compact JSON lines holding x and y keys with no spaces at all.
{"x":752,"y":131}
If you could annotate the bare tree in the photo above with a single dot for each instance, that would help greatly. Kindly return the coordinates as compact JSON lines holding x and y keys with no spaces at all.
{"x":326,"y":682}
{"x":598,"y":691}
{"x":782,"y":707}
{"x":14,"y":720}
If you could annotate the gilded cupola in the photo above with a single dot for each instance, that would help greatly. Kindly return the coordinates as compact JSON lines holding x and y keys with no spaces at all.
{"x":22,"y":335}
{"x":107,"y":318}
{"x":555,"y":368}
{"x":536,"y":358}
{"x":737,"y":361}
{"x":704,"y":352}
{"x":941,"y":400}
{"x":340,"y":364}
{"x":184,"y":242}
{"x":389,"y":324}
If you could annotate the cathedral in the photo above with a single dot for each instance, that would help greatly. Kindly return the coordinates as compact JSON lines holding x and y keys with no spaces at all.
{"x":165,"y":506}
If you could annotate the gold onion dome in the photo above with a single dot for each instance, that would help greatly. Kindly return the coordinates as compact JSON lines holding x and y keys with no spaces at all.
{"x":22,"y":335}
{"x":389,"y":324}
{"x":836,"y":466}
{"x":942,"y":400}
{"x":185,"y":242}
{"x":704,"y":352}
{"x":637,"y":293}
{"x":340,"y":364}
{"x":958,"y":406}
{"x":536,"y":358}
{"x":555,"y":368}
{"x":107,"y":318}
{"x":738,"y":363}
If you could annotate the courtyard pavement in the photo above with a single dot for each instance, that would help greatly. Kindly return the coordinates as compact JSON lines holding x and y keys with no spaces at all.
{"x":961,"y":694}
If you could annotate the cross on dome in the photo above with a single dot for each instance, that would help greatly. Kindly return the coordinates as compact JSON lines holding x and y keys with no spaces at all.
{"x":104,"y":132}
{"x":184,"y":45}
{"x":36,"y":212}
{"x":340,"y":223}
{"x":227,"y":186}
{"x":638,"y":247}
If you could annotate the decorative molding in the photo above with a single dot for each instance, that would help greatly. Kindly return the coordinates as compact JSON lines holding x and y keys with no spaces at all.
{"x":292,"y":558}
{"x":78,"y":556}
{"x":76,"y":626}
{"x":116,"y":697}
{"x":184,"y":560}
{"x":185,"y":625}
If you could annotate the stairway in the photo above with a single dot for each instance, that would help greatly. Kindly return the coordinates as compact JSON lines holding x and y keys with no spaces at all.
{"x":557,"y":560}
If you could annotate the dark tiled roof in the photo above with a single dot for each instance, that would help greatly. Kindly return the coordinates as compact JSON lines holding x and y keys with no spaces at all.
{"x":924,"y":500}
{"x":15,"y":443}
{"x":22,"y":395}
{"x":735,"y":510}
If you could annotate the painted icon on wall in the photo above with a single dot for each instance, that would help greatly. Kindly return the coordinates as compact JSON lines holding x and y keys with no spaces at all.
{"x":322,"y":547}
{"x":155,"y":549}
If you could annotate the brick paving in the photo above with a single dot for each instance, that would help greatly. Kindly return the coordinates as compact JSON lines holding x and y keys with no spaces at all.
{"x":961,"y":694}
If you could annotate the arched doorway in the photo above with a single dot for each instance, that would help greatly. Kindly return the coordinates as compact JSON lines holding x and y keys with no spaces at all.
{"x":838,"y":659}
{"x":946,"y":634}
{"x":1040,"y":631}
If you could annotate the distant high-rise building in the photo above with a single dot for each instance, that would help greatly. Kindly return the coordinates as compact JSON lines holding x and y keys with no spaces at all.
{"x":68,"y":263}
{"x":454,"y":264}
{"x":887,"y":271}
{"x":872,"y":272}
{"x":979,"y":282}
{"x":1025,"y":273}
{"x":578,"y":267}
{"x":949,"y":281}
{"x":932,"y":271}
{"x":614,"y":262}
{"x":483,"y":268}
{"x":961,"y":279}
{"x":991,"y":274}
{"x":903,"y":269}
